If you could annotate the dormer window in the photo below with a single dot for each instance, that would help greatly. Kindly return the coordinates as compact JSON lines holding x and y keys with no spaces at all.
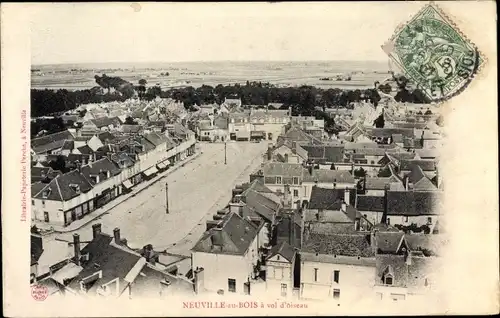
{"x":46,"y":193}
{"x":75,"y":187}
{"x":388,"y":280}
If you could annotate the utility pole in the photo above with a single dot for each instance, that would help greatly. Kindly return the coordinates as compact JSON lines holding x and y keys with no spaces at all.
{"x":225,"y":152}
{"x":166,"y":196}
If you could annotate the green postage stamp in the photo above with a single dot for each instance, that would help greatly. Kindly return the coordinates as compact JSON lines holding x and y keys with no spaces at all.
{"x":434,"y":54}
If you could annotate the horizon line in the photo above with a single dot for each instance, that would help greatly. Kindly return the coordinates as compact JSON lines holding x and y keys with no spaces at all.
{"x":203,"y":61}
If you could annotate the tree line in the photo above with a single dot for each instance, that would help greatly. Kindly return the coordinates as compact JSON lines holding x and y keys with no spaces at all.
{"x":302,"y":99}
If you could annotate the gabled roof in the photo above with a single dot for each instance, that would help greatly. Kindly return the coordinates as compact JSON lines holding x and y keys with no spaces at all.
{"x":156,"y":138}
{"x":390,"y":242}
{"x":426,"y":165}
{"x":261,"y":204}
{"x":59,"y":188}
{"x":297,"y":134}
{"x":338,"y":244}
{"x":131,"y":129}
{"x":50,"y":142}
{"x":106,"y":121}
{"x":233,"y":237}
{"x":85,"y":150}
{"x":328,"y":176}
{"x":106,"y":136}
{"x":284,"y":249}
{"x":388,"y":132}
{"x":112,"y":260}
{"x":377,"y":183}
{"x":424,"y":184}
{"x":370,"y":203}
{"x":329,"y":199}
{"x":412,"y":203}
{"x":282,"y":169}
{"x":326,"y":153}
{"x":100,"y":168}
{"x":403,"y":274}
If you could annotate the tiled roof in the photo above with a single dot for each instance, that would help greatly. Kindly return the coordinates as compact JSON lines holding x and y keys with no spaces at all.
{"x":404,"y":274}
{"x":284,"y":249}
{"x":432,"y":243}
{"x":370,"y":203}
{"x":122,"y":160}
{"x":424,"y":184}
{"x":256,"y":185}
{"x":156,"y":138}
{"x":147,"y":283}
{"x":68,"y":145}
{"x":59,"y":188}
{"x":412,"y":203}
{"x":50,"y":142}
{"x":282,"y":169}
{"x":427,"y":153}
{"x":106,"y":121}
{"x":388,"y":242}
{"x":285,"y":220}
{"x":85,"y":150}
{"x":329,"y":199}
{"x":388,"y":132}
{"x":234,"y":237}
{"x":261,"y":204}
{"x":338,"y":244}
{"x":377,"y":183}
{"x":327,"y":153}
{"x":328,"y":176}
{"x":100,"y":168}
{"x":426,"y":165}
{"x":106,"y":136}
{"x":113,"y":262}
{"x":131,"y":129}
{"x":296,"y":134}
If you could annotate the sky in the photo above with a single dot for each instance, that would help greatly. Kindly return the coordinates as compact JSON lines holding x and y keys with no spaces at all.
{"x":180,"y":32}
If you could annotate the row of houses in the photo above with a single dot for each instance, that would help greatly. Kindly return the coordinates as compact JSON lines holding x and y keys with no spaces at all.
{"x":99,"y":169}
{"x":307,"y":226}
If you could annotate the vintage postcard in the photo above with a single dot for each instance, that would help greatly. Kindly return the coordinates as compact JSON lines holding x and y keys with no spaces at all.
{"x":264,"y":159}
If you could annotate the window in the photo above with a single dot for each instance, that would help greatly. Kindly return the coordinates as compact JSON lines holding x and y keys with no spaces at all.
{"x":295,"y":180}
{"x":336,"y":276}
{"x":278,"y":180}
{"x":315,"y":274}
{"x":278,"y":273}
{"x":429,"y":220}
{"x":43,"y":203}
{"x":295,"y":193}
{"x":32,"y":202}
{"x":46,"y":216}
{"x":406,"y":218}
{"x":231,"y":285}
{"x":283,"y":289}
{"x":277,"y":257}
{"x":388,"y":280}
{"x":388,"y":221}
{"x":336,"y":293}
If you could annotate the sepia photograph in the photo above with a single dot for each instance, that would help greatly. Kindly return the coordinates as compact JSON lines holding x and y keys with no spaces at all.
{"x":245,"y":160}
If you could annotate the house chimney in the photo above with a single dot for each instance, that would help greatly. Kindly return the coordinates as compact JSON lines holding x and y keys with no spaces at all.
{"x":373,"y":241}
{"x":269,"y":153}
{"x":199,"y":279}
{"x":96,"y":230}
{"x":310,"y":168}
{"x":286,"y":197}
{"x":76,"y":246}
{"x":407,"y":257}
{"x":291,"y":230}
{"x":116,"y":234}
{"x":290,"y":111}
{"x":286,"y":158}
{"x":347,"y":196}
{"x":236,"y":207}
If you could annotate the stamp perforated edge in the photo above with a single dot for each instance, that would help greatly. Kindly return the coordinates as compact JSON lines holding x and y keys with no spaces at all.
{"x":479,"y":69}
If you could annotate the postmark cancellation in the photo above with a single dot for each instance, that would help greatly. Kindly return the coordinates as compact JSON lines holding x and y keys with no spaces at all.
{"x":433,"y":53}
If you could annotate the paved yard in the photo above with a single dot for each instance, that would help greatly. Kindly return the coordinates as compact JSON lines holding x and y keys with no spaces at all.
{"x":196,"y":191}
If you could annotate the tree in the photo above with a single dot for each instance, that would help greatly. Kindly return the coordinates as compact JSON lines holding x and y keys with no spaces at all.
{"x":428,"y":112}
{"x":130,"y":121}
{"x":59,"y":164}
{"x":143,"y":82}
{"x":359,"y":173}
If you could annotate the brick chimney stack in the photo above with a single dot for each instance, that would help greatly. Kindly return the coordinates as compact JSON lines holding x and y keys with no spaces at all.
{"x":116,"y":234}
{"x":96,"y":230}
{"x":76,"y":246}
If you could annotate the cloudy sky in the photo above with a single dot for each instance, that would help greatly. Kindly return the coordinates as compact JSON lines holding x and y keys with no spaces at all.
{"x":100,"y":32}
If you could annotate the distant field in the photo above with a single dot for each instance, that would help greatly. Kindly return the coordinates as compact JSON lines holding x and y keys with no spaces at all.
{"x":197,"y":74}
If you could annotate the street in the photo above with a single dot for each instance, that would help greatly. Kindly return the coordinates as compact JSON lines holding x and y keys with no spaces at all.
{"x":196,"y":192}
